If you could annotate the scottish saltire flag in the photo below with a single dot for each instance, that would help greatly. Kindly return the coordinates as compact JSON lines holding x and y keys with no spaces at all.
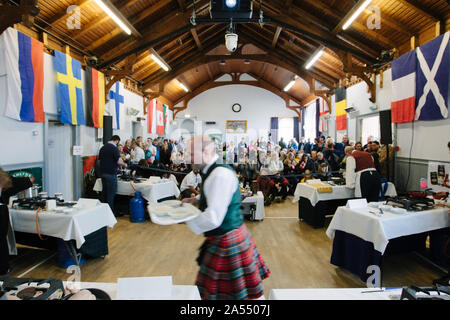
{"x":432,"y":92}
{"x":116,"y":98}
{"x":403,"y":88}
{"x":70,"y":92}
{"x":24,"y":69}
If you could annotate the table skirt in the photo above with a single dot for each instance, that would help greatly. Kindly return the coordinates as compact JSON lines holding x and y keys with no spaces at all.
{"x":356,"y":255}
{"x":315,"y":215}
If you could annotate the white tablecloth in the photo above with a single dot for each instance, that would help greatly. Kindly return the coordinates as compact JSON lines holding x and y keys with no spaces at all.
{"x":179,"y":292}
{"x":151,"y":191}
{"x":70,"y":226}
{"x":257,"y":199}
{"x":379,"y":230}
{"x":339,"y":192}
{"x":335,"y":294}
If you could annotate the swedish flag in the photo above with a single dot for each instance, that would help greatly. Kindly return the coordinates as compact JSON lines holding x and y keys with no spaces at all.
{"x":68,"y":76}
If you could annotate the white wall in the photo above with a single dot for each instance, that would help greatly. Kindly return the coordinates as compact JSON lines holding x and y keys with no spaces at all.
{"x":258,"y":106}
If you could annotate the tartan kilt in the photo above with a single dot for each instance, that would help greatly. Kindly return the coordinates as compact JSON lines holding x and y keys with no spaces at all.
{"x":231,"y":267}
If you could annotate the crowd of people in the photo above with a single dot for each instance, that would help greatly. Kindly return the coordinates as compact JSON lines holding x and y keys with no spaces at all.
{"x":262,"y":165}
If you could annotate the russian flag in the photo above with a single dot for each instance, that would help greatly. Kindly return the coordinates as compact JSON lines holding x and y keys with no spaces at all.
{"x":403,"y":88}
{"x":24,"y":66}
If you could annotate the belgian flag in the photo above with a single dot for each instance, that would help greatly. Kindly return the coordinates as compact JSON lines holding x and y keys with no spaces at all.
{"x":341,"y":105}
{"x":95,"y":93}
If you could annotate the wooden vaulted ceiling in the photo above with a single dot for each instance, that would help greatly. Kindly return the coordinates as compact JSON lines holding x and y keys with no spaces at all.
{"x":272,"y":54}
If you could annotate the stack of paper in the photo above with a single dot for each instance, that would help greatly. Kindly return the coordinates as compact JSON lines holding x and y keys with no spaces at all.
{"x":144,"y":288}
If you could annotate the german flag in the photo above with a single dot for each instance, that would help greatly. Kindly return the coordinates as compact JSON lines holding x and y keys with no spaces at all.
{"x":341,"y":105}
{"x":95,"y":93}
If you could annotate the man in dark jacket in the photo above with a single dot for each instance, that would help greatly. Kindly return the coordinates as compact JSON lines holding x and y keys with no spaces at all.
{"x":110,"y":160}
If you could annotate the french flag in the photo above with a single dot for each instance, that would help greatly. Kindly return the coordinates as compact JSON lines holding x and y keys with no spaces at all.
{"x":403,"y":88}
{"x":24,"y":68}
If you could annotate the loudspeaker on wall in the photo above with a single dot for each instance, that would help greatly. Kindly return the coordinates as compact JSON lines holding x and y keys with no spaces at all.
{"x":107,"y":128}
{"x":385,"y":127}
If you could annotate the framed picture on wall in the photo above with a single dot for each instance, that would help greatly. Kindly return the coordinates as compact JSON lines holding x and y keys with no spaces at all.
{"x":236,"y":126}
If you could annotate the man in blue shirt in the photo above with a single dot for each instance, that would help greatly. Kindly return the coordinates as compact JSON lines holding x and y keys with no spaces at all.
{"x":110,"y":160}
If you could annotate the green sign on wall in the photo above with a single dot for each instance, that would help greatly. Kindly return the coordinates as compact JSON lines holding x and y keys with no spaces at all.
{"x":35,"y":174}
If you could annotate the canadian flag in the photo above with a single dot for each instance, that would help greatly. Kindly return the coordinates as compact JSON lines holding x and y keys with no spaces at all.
{"x":160,"y":111}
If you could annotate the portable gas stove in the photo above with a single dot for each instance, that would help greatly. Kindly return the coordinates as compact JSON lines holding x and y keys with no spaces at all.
{"x":37,"y":202}
{"x":410,"y":203}
{"x":29,"y":204}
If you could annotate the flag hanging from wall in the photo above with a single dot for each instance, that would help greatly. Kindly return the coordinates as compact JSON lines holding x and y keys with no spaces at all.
{"x":115,"y":100}
{"x":150,"y":111}
{"x":341,"y":105}
{"x":95,"y":97}
{"x":70,"y":92}
{"x":323,"y":112}
{"x":403,"y":88}
{"x":24,"y":70}
{"x":166,"y":117}
{"x":432,"y":91}
{"x":160,"y":118}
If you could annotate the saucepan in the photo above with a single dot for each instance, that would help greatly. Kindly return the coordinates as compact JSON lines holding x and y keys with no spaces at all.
{"x":31,"y":192}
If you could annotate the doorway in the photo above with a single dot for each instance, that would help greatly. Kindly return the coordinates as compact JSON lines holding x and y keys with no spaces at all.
{"x":59,"y":160}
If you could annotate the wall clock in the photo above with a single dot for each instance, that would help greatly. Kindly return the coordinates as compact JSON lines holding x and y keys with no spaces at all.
{"x":236,"y":107}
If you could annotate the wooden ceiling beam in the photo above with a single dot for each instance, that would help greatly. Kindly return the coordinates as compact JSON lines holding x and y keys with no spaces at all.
{"x":196,"y":38}
{"x":283,"y":61}
{"x":100,"y":19}
{"x":321,"y":34}
{"x":155,"y":31}
{"x":288,"y":55}
{"x":413,"y":5}
{"x":208,"y":44}
{"x":182,"y":5}
{"x":211,"y":83}
{"x":189,"y":62}
{"x":134,"y":20}
{"x":24,"y":13}
{"x":343,"y":20}
{"x":63,"y":14}
{"x":276,"y":36}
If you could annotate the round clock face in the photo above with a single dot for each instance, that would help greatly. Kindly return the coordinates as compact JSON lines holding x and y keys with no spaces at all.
{"x":236,"y":107}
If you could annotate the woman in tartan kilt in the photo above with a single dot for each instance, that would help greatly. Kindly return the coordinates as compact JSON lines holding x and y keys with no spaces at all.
{"x":231,"y":267}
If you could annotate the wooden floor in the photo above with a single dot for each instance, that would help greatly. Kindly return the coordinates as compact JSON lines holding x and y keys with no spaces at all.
{"x":297,"y":255}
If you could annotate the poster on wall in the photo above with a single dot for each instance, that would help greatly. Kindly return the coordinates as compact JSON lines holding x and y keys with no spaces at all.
{"x":438,"y":176}
{"x":35,"y":175}
{"x":236,"y":126}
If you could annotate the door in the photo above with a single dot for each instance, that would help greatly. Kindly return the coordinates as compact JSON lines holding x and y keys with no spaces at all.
{"x":59,"y":160}
{"x":138,"y":129}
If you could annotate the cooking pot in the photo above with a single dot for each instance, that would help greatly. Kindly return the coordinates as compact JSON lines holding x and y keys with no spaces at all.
{"x":31,"y":192}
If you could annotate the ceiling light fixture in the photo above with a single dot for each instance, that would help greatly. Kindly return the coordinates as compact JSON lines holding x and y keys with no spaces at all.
{"x":183,"y":86}
{"x":155,"y":56}
{"x":113,"y":16}
{"x":289,"y":85}
{"x":356,"y":14}
{"x":315,"y":57}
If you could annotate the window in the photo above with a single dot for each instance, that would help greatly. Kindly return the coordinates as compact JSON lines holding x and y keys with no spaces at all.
{"x":310,"y":124}
{"x":370,"y":126}
{"x":285,"y":129}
